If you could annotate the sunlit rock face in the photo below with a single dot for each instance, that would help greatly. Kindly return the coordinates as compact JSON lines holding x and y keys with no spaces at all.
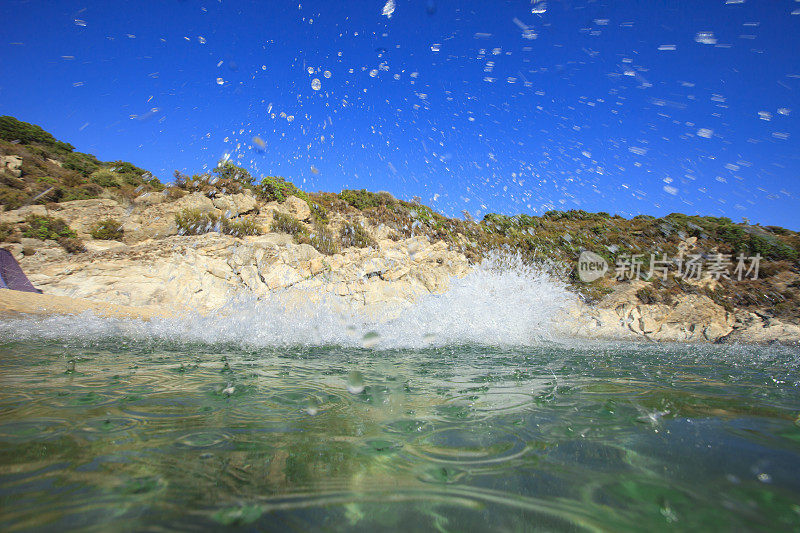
{"x":205,"y":272}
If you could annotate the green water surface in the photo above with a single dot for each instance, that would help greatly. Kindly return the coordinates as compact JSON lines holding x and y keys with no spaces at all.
{"x":156,"y":436}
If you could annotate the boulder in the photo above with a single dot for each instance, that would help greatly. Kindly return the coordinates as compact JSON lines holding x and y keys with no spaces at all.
{"x":82,"y":215}
{"x":11,"y":164}
{"x":150,"y":198}
{"x":19,"y":215}
{"x":234,"y":205}
{"x":297,"y":207}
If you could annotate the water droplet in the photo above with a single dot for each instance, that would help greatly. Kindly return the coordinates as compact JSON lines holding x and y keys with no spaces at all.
{"x":310,"y":70}
{"x":220,"y":81}
{"x":327,"y":73}
{"x":312,"y":405}
{"x":373,"y":73}
{"x":355,"y":382}
{"x":388,"y":9}
{"x":370,"y":339}
{"x":316,"y":84}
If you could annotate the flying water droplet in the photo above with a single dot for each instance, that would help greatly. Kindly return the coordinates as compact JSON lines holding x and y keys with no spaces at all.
{"x":220,"y":81}
{"x":388,"y":9}
{"x":316,"y":84}
{"x":370,"y":339}
{"x":312,"y":405}
{"x":355,"y":382}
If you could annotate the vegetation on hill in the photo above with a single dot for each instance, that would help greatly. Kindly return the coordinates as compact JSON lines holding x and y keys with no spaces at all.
{"x":52,"y":171}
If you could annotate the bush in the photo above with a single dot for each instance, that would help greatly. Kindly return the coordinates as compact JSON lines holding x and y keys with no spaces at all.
{"x":50,"y":228}
{"x":44,"y":228}
{"x":5,"y":231}
{"x":277,"y":189}
{"x":356,"y":235}
{"x":104,"y":178}
{"x":287,"y":224}
{"x":107,"y":230}
{"x":12,"y":129}
{"x":228,"y":171}
{"x":324,"y":240}
{"x":240,"y":228}
{"x":196,"y":222}
{"x":85,"y":164}
{"x":363,"y":199}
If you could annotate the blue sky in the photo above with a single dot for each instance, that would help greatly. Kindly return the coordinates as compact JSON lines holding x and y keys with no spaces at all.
{"x":490,"y":106}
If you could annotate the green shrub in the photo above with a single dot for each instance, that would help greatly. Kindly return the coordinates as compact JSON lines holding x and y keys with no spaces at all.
{"x":104,"y":178}
{"x":12,"y":198}
{"x":241,"y":227}
{"x":318,"y":213}
{"x":324,"y":240}
{"x":287,"y":224}
{"x":356,"y":235}
{"x":85,"y":164}
{"x":107,"y":230}
{"x":228,"y":171}
{"x":5,"y":231}
{"x":277,"y":189}
{"x":196,"y":222}
{"x":12,"y":129}
{"x":44,"y":228}
{"x":50,"y":228}
{"x":363,"y":199}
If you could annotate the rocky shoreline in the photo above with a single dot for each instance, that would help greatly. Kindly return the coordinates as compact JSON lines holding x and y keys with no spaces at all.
{"x":156,"y":267}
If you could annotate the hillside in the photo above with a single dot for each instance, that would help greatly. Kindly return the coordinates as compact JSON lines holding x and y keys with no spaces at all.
{"x":37,"y":169}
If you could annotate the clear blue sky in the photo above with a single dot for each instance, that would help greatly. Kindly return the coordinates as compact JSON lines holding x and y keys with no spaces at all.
{"x":484,"y":105}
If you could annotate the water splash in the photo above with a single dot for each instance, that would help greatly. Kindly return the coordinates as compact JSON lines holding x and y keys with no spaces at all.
{"x":501,"y":302}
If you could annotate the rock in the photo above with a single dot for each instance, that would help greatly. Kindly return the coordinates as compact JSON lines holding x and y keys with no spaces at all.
{"x":55,"y":162}
{"x":297,"y":207}
{"x":19,"y":215}
{"x":37,"y":251}
{"x":104,"y":246}
{"x":11,"y":164}
{"x":82,"y":215}
{"x":234,"y":205}
{"x":150,"y":198}
{"x":157,"y":221}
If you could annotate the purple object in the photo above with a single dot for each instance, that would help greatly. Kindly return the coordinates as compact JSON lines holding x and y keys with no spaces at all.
{"x":12,"y":276}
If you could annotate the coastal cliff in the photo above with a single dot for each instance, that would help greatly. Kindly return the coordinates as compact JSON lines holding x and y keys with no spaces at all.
{"x":110,"y":232}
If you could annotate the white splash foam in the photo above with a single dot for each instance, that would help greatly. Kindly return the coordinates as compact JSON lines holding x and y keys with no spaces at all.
{"x":501,"y":302}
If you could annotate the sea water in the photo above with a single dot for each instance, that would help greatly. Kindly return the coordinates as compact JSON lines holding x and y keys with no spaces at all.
{"x":463,"y":413}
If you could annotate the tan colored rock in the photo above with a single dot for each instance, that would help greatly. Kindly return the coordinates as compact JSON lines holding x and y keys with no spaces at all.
{"x":234,"y":205}
{"x":11,"y":164}
{"x":19,"y":215}
{"x":297,"y":208}
{"x":150,"y":198}
{"x":82,"y":215}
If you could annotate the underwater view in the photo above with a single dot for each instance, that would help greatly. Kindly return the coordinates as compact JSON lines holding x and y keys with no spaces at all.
{"x":400,"y":265}
{"x":119,"y":434}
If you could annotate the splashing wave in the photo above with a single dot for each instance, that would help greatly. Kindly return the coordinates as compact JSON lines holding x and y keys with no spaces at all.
{"x":500,"y":302}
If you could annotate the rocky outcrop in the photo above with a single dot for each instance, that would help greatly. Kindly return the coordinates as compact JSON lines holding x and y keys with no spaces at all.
{"x":205,"y":272}
{"x":11,"y":164}
{"x":157,"y":267}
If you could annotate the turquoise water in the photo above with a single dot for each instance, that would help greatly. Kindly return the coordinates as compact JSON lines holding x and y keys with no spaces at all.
{"x":117,"y":433}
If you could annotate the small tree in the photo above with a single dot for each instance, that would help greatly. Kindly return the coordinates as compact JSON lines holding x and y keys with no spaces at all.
{"x":229,"y":171}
